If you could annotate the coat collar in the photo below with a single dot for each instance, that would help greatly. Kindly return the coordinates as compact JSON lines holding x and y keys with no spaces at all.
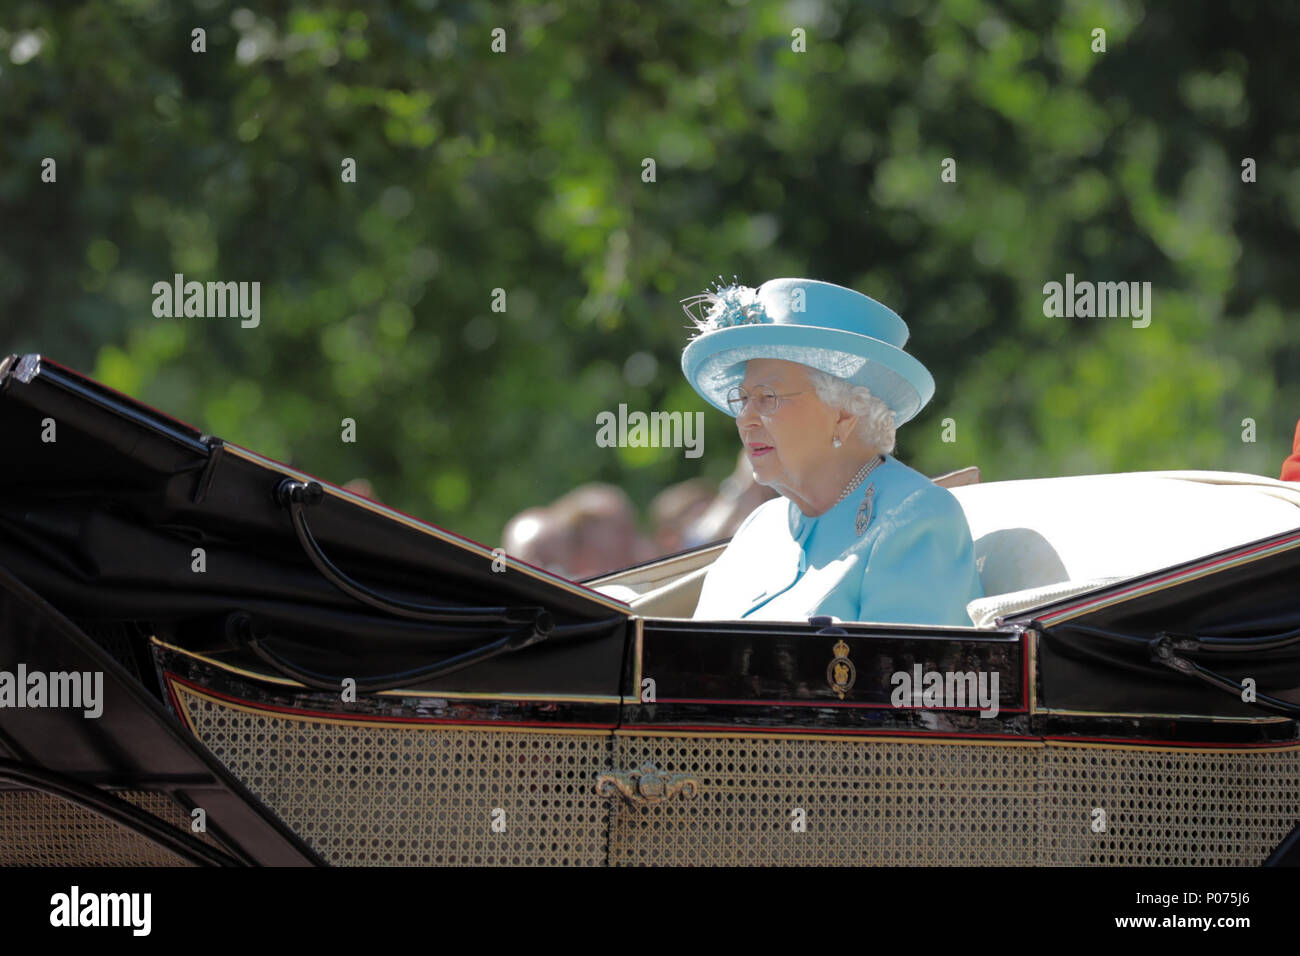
{"x":787,"y":557}
{"x":842,"y":515}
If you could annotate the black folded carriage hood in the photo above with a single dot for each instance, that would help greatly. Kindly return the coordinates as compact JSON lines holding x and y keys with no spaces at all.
{"x":113,"y":512}
{"x":121,"y":527}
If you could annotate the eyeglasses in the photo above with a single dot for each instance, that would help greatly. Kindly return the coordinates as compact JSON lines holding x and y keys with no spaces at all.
{"x":767,"y":401}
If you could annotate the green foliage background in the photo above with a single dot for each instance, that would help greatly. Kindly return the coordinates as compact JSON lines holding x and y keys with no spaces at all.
{"x":522,"y":170}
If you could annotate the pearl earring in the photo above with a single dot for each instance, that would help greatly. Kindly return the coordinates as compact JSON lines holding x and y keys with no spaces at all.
{"x":835,"y":442}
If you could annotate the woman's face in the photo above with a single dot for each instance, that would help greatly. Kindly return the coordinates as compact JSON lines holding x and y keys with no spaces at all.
{"x":792,"y":445}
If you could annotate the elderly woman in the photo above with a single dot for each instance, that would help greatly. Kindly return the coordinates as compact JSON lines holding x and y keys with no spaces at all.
{"x":817,"y":380}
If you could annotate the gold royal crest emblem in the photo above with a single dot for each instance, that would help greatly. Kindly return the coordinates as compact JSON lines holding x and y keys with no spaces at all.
{"x":840,"y":672}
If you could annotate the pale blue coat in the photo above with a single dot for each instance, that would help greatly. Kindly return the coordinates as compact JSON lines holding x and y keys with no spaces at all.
{"x":913,"y":564}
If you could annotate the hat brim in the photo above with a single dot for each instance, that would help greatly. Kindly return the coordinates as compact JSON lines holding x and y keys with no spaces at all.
{"x":714,"y":363}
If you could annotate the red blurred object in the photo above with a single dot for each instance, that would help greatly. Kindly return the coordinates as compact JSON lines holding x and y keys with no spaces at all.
{"x":1291,"y":467}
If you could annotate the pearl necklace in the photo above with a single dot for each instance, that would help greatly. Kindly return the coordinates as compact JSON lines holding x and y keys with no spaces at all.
{"x":860,"y":477}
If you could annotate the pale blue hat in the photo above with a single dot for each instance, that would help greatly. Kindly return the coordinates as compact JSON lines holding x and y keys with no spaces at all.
{"x":819,"y":324}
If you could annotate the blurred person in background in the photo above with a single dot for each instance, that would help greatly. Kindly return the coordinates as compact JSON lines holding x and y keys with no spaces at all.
{"x":362,"y":487}
{"x":590,"y":531}
{"x":676,"y":510}
{"x":535,"y":536}
{"x":599,"y":531}
{"x":738,"y":495}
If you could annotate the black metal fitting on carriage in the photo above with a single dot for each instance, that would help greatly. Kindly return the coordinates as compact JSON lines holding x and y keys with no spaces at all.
{"x":292,"y":491}
{"x":826,"y":625}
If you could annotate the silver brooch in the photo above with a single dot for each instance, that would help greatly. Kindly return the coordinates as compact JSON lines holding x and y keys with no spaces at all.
{"x":864,"y":511}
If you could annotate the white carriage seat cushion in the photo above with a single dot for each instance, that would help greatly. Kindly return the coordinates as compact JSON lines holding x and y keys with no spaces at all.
{"x":1038,"y":532}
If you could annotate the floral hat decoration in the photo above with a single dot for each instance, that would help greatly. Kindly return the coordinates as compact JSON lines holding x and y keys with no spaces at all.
{"x":818,"y":324}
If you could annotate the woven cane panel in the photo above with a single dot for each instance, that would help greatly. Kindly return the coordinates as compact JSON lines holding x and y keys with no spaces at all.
{"x":417,"y":795}
{"x":872,"y":802}
{"x":37,"y":829}
{"x":863,"y":802}
{"x":1166,"y":808}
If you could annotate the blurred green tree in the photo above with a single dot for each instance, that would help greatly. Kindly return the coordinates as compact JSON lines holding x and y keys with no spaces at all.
{"x":522,"y":171}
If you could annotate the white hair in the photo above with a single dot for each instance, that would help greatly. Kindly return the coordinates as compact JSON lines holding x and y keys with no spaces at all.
{"x":875,"y":418}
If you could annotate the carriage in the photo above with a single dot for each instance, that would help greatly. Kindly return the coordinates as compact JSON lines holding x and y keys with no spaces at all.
{"x":293,"y":674}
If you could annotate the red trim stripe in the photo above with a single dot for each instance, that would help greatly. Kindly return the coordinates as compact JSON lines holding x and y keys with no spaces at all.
{"x":824,"y":703}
